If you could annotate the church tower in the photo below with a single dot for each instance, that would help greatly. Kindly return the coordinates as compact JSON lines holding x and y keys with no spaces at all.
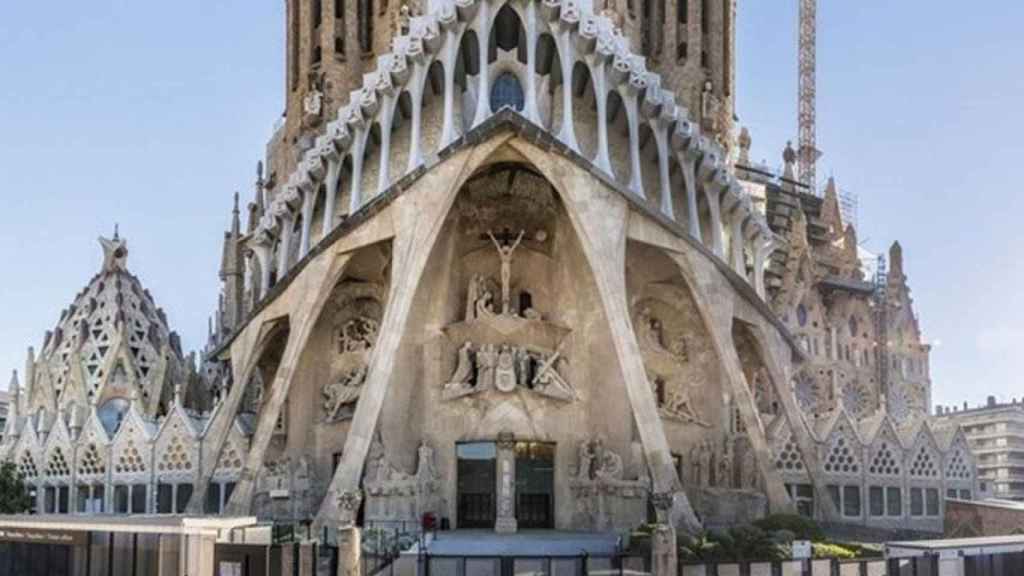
{"x":691,"y":44}
{"x":330,"y":45}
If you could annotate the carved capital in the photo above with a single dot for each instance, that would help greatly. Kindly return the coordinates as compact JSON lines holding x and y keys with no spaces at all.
{"x":348,"y":506}
{"x":662,"y":501}
{"x":506,"y":441}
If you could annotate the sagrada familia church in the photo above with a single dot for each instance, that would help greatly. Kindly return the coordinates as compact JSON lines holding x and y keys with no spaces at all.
{"x":507,"y":264}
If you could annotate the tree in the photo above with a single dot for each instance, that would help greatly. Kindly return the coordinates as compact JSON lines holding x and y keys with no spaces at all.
{"x":14,"y":494}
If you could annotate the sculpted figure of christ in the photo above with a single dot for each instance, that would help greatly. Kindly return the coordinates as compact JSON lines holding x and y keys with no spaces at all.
{"x":505,"y":254}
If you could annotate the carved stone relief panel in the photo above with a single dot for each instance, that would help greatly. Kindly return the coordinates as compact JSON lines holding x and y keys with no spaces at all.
{"x":677,"y":356}
{"x":355,"y":311}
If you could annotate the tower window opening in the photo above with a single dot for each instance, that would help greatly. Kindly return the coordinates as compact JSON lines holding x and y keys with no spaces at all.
{"x":705,"y":16}
{"x":683,"y":11}
{"x":365,"y":18}
{"x":318,"y":14}
{"x":681,"y":51}
{"x":293,"y":46}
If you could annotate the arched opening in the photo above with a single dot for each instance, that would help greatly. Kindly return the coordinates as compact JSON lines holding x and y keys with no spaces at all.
{"x":432,"y":109}
{"x":618,"y":138}
{"x":649,"y":165}
{"x":467,"y":67}
{"x":507,"y":35}
{"x":548,"y":74}
{"x":584,"y":113}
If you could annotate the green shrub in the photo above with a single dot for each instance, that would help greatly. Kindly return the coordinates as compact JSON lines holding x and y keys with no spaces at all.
{"x":823,"y":550}
{"x":742,"y":543}
{"x":801,"y":527}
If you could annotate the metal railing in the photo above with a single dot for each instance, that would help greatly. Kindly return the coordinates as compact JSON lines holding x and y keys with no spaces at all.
{"x":581,"y":565}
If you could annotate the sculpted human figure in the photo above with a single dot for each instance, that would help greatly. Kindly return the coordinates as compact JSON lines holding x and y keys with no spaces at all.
{"x":650,"y":330}
{"x":505,"y":254}
{"x":487,"y":363}
{"x":522,"y":366}
{"x":485,"y":303}
{"x":609,"y":464}
{"x":472,"y":295}
{"x":586,"y":461}
{"x":505,"y":373}
{"x":464,"y":369}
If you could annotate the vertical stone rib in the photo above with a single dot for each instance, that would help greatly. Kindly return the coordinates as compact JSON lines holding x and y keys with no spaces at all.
{"x":531,"y":110}
{"x":661,"y":139}
{"x":483,"y":37}
{"x":416,"y":90}
{"x":356,"y":198}
{"x":308,"y":200}
{"x":688,"y":164}
{"x":636,"y":183}
{"x":331,"y":200}
{"x":566,"y":57}
{"x":451,"y":52}
{"x":603,"y":160}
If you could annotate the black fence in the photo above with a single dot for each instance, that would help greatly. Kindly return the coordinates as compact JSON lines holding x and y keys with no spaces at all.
{"x":582,"y":565}
{"x":994,"y":564}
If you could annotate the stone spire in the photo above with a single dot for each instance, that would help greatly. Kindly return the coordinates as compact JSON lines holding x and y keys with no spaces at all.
{"x":831,"y":215}
{"x":896,"y":263}
{"x":745,"y":142}
{"x":115,"y":253}
{"x":232,"y":274}
{"x":14,"y":389}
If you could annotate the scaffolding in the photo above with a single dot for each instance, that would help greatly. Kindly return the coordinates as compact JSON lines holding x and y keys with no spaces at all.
{"x":881,"y":305}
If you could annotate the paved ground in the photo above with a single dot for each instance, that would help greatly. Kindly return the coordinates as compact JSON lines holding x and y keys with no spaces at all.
{"x":525,"y":543}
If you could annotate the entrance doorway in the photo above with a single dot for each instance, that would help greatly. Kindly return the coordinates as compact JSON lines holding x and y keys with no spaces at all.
{"x":477,"y":484}
{"x":535,"y":485}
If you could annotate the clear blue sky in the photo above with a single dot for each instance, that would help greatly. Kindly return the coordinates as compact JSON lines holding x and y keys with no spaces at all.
{"x":152,"y":114}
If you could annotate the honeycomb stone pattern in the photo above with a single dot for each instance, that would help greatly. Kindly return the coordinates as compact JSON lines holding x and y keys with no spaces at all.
{"x":91,"y":462}
{"x":842,"y":457}
{"x":957,"y":469}
{"x":924,"y":464}
{"x":176,"y":457}
{"x":27,"y":466}
{"x":885,"y":462}
{"x":789,"y":458}
{"x":57,"y":465}
{"x":130,"y":460}
{"x":230,"y":458}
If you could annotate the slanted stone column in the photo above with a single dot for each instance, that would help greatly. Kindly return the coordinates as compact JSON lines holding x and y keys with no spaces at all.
{"x":506,"y":462}
{"x":664,"y":553}
{"x":350,"y":539}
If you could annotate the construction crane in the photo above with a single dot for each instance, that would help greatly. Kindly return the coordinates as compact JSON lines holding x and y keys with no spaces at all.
{"x":808,"y":154}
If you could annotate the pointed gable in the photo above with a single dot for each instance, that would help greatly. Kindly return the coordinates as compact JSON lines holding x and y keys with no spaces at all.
{"x":57,"y":454}
{"x":960,"y":466}
{"x":176,"y":447}
{"x":93,"y":452}
{"x":886,"y":452}
{"x":27,"y":453}
{"x":843,"y":448}
{"x":232,"y":457}
{"x":131,"y":451}
{"x":786,"y":453}
{"x":923,"y":458}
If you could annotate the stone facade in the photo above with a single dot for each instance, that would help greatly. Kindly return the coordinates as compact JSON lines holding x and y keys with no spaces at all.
{"x":467,"y":291}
